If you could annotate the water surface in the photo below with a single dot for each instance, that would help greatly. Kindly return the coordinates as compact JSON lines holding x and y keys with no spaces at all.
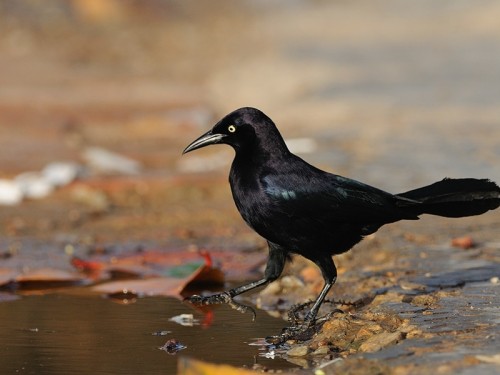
{"x":85,"y":334}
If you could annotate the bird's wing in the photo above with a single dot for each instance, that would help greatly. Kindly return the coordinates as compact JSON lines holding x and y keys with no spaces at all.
{"x":333,"y":198}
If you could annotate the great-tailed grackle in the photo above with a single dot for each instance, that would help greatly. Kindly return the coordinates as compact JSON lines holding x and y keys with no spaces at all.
{"x":300,"y":209}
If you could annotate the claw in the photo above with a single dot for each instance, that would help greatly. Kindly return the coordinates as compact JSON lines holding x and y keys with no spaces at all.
{"x":302,"y":333}
{"x":242,"y":308}
{"x":218,"y":299}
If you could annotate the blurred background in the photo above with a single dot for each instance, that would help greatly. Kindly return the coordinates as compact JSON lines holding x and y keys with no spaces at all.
{"x":98,"y":98}
{"x":108,"y":93}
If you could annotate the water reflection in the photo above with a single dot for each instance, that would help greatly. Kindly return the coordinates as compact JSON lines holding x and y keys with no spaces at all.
{"x":82,"y":334}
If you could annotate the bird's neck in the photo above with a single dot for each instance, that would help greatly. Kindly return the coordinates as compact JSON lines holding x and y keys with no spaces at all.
{"x":261,"y":153}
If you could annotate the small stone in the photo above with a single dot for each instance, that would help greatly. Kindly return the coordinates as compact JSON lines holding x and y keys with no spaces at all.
{"x":495,"y":359}
{"x":60,"y":173}
{"x":10,"y":193}
{"x":424,"y":300}
{"x":322,"y":350}
{"x":380,"y":341}
{"x":465,"y":242}
{"x":34,"y":185}
{"x":408,"y":285}
{"x":298,"y":351}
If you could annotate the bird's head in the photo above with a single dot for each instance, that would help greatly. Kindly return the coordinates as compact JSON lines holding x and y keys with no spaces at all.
{"x":241,"y":129}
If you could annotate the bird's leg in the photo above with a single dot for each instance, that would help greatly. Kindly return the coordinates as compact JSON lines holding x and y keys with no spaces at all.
{"x":311,"y":315}
{"x":305,"y":330}
{"x":329,"y":272}
{"x":274,"y":267}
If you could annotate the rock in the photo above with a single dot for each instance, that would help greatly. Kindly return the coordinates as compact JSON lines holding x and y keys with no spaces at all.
{"x":298,"y":351}
{"x":322,"y":350}
{"x":380,"y":341}
{"x":424,"y":300}
{"x":408,"y":285}
{"x":495,"y":359}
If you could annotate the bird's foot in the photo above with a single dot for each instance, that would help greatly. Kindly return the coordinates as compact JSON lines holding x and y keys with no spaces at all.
{"x":219,"y":299}
{"x":301,"y":329}
{"x":300,"y":332}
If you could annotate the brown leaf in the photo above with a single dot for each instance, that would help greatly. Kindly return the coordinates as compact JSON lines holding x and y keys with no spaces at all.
{"x":157,"y":286}
{"x":149,"y":263}
{"x":162,"y":286}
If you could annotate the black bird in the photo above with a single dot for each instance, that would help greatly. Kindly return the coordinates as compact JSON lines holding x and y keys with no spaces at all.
{"x":300,"y":209}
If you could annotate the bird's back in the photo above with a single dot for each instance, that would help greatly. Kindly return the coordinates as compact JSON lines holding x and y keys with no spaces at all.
{"x":302,"y":208}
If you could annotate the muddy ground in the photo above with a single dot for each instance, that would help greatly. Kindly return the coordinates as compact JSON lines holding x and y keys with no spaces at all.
{"x":393,"y":93}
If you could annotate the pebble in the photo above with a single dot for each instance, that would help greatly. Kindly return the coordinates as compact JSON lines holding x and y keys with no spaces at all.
{"x":37,"y":185}
{"x":495,"y":358}
{"x":60,"y":173}
{"x":377,"y":342}
{"x":298,"y":351}
{"x":322,"y":350}
{"x":10,"y":193}
{"x":465,"y":242}
{"x":33,"y":185}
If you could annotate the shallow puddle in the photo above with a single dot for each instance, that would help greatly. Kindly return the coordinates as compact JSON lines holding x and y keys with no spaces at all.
{"x":85,"y":334}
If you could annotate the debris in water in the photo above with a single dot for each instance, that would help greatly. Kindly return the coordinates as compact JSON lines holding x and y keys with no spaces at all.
{"x":186,"y":320}
{"x":172,"y":346}
{"x":161,"y":333}
{"x":124,"y":297}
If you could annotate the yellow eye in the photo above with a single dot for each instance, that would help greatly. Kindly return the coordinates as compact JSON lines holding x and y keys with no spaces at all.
{"x":231,"y":128}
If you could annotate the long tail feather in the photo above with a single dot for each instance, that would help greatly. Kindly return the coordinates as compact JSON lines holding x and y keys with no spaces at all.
{"x":454,"y":197}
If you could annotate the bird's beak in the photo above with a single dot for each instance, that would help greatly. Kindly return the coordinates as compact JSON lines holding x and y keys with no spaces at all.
{"x":206,"y":139}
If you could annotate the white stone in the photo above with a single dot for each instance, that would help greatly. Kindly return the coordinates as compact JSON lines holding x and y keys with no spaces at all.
{"x":10,"y":193}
